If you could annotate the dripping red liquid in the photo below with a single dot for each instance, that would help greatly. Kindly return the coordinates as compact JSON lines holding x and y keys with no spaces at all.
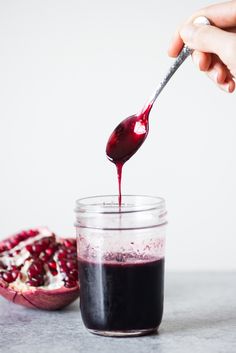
{"x":126,"y":139}
{"x":119,"y":167}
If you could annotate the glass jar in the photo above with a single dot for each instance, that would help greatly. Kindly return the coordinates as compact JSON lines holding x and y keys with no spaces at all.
{"x":121,"y":263}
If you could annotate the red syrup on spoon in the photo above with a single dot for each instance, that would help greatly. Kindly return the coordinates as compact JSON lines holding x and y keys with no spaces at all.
{"x":126,"y":139}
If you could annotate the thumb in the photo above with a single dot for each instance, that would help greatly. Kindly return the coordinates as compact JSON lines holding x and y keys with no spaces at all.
{"x":210,"y":39}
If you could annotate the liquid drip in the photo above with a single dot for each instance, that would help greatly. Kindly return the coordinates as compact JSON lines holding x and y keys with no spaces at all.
{"x":119,"y":167}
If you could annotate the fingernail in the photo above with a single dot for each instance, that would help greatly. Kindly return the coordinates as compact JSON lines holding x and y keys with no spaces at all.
{"x":201,"y":20}
{"x":231,"y":86}
{"x":226,"y":88}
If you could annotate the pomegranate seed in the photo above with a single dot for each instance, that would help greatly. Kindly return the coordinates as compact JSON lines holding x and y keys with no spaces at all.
{"x":14,"y":242}
{"x":32,"y":233}
{"x":29,"y":248}
{"x":19,"y":238}
{"x":54,"y":272}
{"x":45,"y":242}
{"x":8,"y":245}
{"x":37,"y":248}
{"x":17,"y":252}
{"x":40,"y":243}
{"x":68,"y":243}
{"x":2,"y":248}
{"x":23,"y":235}
{"x":71,"y":264}
{"x":36,"y":281}
{"x":62,"y":254}
{"x":44,"y":257}
{"x":52,"y":265}
{"x":15,"y":274}
{"x":14,"y":267}
{"x":70,"y":284}
{"x":50,"y":251}
{"x":35,"y":269}
{"x":7,"y":276}
{"x":73,"y":274}
{"x":71,"y":251}
{"x":62,"y":264}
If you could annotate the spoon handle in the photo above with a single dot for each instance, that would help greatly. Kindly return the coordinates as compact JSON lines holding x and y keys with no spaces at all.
{"x":185,"y":52}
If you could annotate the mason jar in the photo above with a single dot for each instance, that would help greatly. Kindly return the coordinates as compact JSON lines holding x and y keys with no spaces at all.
{"x":121,"y":254}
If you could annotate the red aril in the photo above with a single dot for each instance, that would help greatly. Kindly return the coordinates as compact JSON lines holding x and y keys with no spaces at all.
{"x":34,"y":269}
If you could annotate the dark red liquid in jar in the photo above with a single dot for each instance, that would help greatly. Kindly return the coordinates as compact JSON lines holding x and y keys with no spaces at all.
{"x":121,"y":296}
{"x":126,"y":139}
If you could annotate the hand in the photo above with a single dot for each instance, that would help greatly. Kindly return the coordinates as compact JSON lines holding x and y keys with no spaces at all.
{"x":214,"y":45}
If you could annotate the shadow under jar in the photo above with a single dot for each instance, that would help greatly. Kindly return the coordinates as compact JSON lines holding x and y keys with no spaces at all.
{"x":121,"y":263}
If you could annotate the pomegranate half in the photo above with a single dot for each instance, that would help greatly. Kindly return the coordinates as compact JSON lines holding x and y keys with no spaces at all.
{"x":37,"y":270}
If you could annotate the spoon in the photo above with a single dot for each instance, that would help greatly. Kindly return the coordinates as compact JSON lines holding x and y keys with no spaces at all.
{"x":130,"y":134}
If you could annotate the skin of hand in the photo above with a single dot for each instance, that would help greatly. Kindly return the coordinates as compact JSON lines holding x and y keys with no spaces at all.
{"x":214,"y":45}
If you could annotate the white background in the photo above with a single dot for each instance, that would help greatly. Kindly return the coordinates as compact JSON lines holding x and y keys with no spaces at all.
{"x":69,"y":72}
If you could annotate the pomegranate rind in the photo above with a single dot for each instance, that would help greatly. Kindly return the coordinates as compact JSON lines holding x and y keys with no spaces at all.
{"x":40,"y":298}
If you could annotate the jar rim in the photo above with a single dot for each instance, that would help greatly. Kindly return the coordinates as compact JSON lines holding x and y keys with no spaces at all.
{"x":108,"y":204}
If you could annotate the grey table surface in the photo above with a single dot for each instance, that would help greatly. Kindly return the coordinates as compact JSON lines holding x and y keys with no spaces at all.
{"x":199,"y":316}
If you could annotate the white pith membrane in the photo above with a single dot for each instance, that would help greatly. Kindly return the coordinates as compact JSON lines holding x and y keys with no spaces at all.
{"x":50,"y":282}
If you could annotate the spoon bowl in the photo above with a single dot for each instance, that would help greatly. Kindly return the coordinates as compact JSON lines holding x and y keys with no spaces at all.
{"x":128,"y":137}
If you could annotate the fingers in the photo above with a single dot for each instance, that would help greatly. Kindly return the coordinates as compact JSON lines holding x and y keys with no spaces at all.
{"x":232,"y":85}
{"x":176,"y":45}
{"x":221,"y":15}
{"x":210,"y":39}
{"x":221,"y":71}
{"x":222,"y":79}
{"x":214,"y":45}
{"x":215,"y":70}
{"x":219,"y":76}
{"x":202,"y":60}
{"x":202,"y":38}
{"x":228,"y":85}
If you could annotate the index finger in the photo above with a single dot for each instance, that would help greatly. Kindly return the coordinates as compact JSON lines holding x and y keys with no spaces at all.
{"x":176,"y":45}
